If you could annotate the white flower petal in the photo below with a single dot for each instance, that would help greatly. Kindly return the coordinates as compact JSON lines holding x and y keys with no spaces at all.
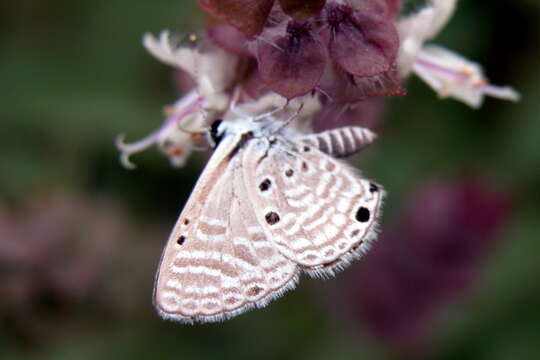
{"x":452,"y":75}
{"x":443,"y":10}
{"x":419,"y":27}
{"x":179,"y":140}
{"x":178,"y":115}
{"x":216,"y":71}
{"x":184,"y":58}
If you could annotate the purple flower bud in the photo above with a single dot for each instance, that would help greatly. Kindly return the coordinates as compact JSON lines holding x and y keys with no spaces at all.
{"x":248,"y":16}
{"x":389,"y":8}
{"x":302,"y":9}
{"x":343,"y":87}
{"x":362,"y":42}
{"x":292,"y":64}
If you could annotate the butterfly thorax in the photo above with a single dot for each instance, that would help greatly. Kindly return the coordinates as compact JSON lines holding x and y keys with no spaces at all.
{"x":251,"y":128}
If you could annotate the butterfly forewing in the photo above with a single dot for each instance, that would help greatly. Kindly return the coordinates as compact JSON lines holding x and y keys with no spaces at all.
{"x":317,"y":210}
{"x":218,"y":261}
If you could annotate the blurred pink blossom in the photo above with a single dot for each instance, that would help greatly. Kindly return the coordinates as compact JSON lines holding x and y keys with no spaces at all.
{"x":430,"y":257}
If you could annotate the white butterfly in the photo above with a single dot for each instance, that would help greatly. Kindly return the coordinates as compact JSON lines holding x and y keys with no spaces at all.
{"x":270,"y":204}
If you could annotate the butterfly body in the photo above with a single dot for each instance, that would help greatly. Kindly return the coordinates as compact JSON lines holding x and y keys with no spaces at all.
{"x":271,"y":203}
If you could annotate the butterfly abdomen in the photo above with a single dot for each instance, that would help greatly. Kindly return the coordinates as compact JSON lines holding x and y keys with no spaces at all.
{"x":340,"y":142}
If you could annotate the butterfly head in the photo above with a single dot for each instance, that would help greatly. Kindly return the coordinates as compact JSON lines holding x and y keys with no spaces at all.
{"x":247,"y":127}
{"x":217,"y":130}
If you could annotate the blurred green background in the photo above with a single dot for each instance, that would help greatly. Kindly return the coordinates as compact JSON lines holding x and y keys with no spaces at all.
{"x":81,"y":236}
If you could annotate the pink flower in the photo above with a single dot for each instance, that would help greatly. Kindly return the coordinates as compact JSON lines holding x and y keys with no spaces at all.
{"x":429,"y":258}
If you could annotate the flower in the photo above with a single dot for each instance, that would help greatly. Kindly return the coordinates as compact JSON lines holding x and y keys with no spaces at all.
{"x":210,"y":67}
{"x":250,"y":17}
{"x":428,"y":258}
{"x":343,"y":50}
{"x":58,"y":246}
{"x":335,"y":53}
{"x":449,"y":74}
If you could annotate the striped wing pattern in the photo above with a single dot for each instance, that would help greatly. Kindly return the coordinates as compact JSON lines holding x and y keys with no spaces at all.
{"x":315,"y":209}
{"x":218,"y":263}
{"x":263,"y":211}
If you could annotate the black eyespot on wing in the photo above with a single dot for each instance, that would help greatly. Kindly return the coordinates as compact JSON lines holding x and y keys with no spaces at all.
{"x":181,"y":240}
{"x":289,"y":172}
{"x":306,"y":148}
{"x":214,"y":131}
{"x":186,"y":221}
{"x":304,"y":166}
{"x":272,"y":218}
{"x":362,"y":214}
{"x":265,"y":185}
{"x":373,"y":188}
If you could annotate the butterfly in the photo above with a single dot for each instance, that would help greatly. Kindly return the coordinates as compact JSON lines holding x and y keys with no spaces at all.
{"x":272,"y":203}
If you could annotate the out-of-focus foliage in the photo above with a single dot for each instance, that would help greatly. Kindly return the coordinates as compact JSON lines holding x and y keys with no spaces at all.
{"x":80,"y":236}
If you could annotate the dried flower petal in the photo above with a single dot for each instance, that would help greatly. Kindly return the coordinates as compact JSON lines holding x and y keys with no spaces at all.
{"x":363,"y":42}
{"x":302,"y":9}
{"x":248,"y":16}
{"x":342,"y":87}
{"x":293,"y":64}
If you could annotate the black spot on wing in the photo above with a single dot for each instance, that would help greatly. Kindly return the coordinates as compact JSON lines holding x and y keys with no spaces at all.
{"x":265,"y":185}
{"x":363,"y":214}
{"x":272,"y":218}
{"x":181,"y":239}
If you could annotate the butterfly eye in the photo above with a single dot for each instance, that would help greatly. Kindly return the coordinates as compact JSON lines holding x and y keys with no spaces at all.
{"x":214,"y":131}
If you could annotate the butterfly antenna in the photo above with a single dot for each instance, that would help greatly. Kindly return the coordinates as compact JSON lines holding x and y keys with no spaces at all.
{"x":269,"y":113}
{"x":234,"y":105}
{"x":325,"y":94}
{"x":291,"y":118}
{"x":193,"y":132}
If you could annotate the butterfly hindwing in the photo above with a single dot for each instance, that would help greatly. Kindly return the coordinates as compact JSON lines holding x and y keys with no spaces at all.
{"x":316,"y":209}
